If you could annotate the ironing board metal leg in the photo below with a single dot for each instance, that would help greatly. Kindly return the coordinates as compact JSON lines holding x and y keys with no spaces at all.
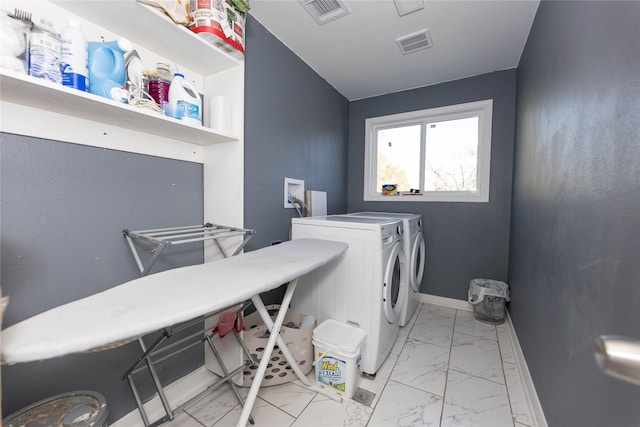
{"x":266,"y":356}
{"x":136,"y":396}
{"x":226,"y":373}
{"x":156,"y":382}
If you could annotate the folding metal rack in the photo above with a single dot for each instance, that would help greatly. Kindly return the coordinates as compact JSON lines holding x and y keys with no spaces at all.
{"x":159,"y":239}
{"x":165,"y":237}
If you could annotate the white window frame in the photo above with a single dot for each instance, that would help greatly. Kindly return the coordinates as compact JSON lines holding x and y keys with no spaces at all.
{"x":481,"y":109}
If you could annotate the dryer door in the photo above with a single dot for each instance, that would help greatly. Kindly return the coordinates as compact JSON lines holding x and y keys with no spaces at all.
{"x":417,"y":261}
{"x":394,"y":283}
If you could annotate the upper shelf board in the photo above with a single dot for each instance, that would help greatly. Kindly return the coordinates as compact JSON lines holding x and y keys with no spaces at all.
{"x":149,"y":27}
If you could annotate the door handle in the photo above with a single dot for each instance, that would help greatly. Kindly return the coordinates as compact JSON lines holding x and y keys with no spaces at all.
{"x":619,"y":357}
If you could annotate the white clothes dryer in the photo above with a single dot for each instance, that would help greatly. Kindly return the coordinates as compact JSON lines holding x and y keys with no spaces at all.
{"x":414,"y":248}
{"x":364,"y":287}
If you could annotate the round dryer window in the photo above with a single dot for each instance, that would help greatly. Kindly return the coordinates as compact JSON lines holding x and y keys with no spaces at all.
{"x":394,"y":283}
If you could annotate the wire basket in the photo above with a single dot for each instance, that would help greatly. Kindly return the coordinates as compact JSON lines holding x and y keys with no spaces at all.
{"x":298,"y":341}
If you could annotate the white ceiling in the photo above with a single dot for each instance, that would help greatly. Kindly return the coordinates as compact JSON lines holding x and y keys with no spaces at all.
{"x":358,"y":55}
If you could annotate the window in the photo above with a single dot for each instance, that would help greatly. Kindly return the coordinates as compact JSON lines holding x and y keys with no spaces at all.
{"x":441,"y":154}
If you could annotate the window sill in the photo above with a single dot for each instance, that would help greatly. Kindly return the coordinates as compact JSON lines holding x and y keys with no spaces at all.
{"x":467,"y":197}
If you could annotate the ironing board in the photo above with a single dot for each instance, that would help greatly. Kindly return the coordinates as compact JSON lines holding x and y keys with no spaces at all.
{"x":150,"y":303}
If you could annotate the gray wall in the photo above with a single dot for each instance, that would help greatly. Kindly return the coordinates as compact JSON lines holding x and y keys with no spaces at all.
{"x":63,"y":208}
{"x":464,"y":240}
{"x":296,"y":126}
{"x":574,"y":261}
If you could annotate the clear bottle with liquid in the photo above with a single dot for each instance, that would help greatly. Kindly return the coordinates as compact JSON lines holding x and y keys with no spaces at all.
{"x":44,"y":52}
{"x":160,"y":82}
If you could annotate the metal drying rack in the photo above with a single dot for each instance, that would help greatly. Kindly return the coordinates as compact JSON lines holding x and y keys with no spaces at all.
{"x":159,"y":239}
{"x":165,"y":237}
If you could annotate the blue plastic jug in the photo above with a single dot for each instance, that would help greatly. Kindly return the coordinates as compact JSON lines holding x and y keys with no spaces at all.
{"x":107,"y":69}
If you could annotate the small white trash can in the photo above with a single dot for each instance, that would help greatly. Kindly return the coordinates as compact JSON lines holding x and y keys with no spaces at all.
{"x":337,"y":356}
{"x":488,"y":298}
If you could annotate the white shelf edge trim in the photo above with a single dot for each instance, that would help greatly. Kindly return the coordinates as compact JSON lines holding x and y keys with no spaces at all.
{"x":59,"y":127}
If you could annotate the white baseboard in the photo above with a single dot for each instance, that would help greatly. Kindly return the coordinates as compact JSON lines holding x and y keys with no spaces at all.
{"x":446,"y":302}
{"x":535,"y":409}
{"x":177,"y":393}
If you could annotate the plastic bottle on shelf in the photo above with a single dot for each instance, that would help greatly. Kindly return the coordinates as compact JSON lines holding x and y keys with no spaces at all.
{"x":44,"y":52}
{"x":182,"y":93}
{"x":74,"y":58}
{"x":107,"y":68}
{"x":160,"y":82}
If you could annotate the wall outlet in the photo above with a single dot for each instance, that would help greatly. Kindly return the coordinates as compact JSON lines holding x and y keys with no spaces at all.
{"x":295,"y":188}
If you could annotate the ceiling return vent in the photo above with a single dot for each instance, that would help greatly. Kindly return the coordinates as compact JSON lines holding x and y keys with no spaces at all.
{"x":414,"y":41}
{"x":324,"y":11}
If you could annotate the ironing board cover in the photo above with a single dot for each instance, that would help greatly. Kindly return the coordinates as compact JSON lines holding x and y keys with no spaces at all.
{"x":153,"y":302}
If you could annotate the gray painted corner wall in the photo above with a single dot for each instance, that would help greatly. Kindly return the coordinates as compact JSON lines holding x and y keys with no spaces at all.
{"x":296,"y":126}
{"x":574,"y":270}
{"x":63,"y":208}
{"x":464,"y":240}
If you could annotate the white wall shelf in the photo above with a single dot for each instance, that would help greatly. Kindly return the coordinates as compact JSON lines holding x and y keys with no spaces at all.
{"x":147,"y":26}
{"x":41,"y":109}
{"x":26,"y":90}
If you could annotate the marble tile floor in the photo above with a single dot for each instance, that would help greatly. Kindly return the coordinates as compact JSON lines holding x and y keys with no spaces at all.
{"x":446,"y":369}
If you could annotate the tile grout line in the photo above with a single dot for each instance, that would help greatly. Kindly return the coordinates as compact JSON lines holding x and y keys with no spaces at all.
{"x":386,"y":383}
{"x":446,"y":379}
{"x":282,"y":410}
{"x":295,"y":418}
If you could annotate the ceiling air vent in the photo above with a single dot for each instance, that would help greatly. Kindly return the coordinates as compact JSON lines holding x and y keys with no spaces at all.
{"x":415,"y":41}
{"x":324,"y":11}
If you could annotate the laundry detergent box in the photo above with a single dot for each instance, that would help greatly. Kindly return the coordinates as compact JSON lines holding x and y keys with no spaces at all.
{"x":337,"y":356}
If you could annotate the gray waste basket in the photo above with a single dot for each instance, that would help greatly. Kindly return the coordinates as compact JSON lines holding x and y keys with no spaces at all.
{"x":76,"y":409}
{"x":488,"y":298}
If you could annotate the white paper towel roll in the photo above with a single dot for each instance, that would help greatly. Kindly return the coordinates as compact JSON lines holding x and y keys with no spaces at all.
{"x":220,"y":114}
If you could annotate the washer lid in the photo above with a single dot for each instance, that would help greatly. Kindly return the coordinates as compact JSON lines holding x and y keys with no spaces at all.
{"x":398,"y":215}
{"x":345,"y":221}
{"x":356,"y":219}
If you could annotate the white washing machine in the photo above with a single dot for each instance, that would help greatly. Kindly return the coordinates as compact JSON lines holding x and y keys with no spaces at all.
{"x":414,"y":248}
{"x":364,"y":287}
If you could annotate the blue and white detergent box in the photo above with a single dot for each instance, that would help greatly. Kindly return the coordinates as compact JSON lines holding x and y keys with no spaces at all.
{"x":337,"y":356}
{"x":333,"y":372}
